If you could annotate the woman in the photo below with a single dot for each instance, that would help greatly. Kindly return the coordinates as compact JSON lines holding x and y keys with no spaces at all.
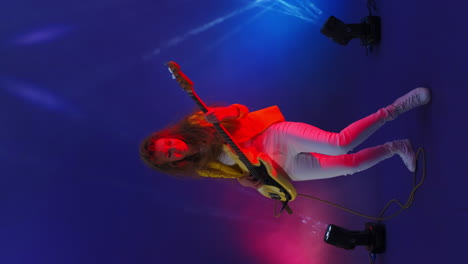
{"x":193,"y":146}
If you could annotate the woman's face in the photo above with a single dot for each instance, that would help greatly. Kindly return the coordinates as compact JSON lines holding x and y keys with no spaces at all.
{"x":170,"y":149}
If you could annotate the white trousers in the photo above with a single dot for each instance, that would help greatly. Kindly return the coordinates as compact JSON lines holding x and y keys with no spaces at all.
{"x":306,"y":152}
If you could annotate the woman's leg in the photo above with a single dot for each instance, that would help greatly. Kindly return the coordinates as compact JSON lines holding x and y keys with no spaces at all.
{"x":311,"y":166}
{"x":306,"y":138}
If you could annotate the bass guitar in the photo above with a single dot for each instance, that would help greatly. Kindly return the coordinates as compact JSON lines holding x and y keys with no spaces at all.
{"x":275,"y":185}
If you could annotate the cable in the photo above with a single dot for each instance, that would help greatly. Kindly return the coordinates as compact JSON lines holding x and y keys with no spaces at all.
{"x":371,"y":5}
{"x":407,"y":205}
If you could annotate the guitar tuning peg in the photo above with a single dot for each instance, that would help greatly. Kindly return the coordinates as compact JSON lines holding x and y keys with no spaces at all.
{"x":172,"y":64}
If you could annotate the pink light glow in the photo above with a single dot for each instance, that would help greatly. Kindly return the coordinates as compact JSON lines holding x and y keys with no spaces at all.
{"x":292,"y":239}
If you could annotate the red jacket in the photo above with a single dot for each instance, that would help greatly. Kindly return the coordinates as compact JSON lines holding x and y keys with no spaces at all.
{"x":253,"y":123}
{"x":249,"y":124}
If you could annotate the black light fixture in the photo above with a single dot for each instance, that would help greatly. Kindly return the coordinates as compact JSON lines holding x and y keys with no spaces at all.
{"x":368,"y":30}
{"x":373,"y":237}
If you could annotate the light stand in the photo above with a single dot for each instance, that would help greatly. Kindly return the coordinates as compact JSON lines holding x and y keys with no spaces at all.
{"x":373,"y":237}
{"x":368,"y":30}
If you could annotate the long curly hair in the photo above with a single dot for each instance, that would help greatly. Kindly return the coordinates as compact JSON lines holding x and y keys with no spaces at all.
{"x":196,"y":132}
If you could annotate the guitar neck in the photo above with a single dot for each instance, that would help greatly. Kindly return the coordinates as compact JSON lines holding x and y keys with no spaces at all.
{"x":225,"y":134}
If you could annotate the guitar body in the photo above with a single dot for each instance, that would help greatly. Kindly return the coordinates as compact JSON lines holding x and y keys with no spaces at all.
{"x":270,"y":187}
{"x":270,"y":177}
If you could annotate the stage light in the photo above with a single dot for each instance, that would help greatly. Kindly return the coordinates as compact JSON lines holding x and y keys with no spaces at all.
{"x":368,"y":30}
{"x":373,"y":237}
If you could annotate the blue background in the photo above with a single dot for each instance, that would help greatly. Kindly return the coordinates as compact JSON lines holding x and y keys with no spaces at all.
{"x":83,"y":82}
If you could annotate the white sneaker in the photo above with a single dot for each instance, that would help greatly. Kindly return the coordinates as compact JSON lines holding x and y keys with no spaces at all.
{"x":416,"y":97}
{"x":404,"y":149}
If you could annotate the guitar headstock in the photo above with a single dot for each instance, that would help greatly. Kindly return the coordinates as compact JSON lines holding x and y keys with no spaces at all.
{"x":180,"y":77}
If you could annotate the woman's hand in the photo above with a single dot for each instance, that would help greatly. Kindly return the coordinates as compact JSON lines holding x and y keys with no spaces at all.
{"x":250,"y":181}
{"x":218,"y":114}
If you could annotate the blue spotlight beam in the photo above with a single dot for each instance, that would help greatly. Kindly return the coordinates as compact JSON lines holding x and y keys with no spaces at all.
{"x":174,"y":41}
{"x":302,"y":9}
